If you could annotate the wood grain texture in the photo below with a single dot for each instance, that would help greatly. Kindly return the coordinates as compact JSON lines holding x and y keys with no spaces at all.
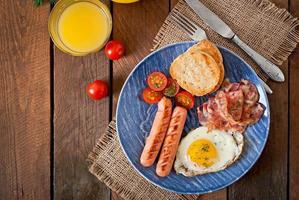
{"x":294,"y":126}
{"x":173,"y":3}
{"x":136,"y":25}
{"x":294,"y":120}
{"x":268,"y":178}
{"x":78,"y":123}
{"x":218,"y":195}
{"x":270,"y":171}
{"x":24,"y":101}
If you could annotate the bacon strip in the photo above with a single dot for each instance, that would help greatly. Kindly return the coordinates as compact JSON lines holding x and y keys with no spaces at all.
{"x":233,"y":108}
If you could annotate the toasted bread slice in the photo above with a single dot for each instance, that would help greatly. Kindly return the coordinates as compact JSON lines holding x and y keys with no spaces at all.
{"x":221,"y":71}
{"x":196,"y":71}
{"x":210,"y":48}
{"x":221,"y":68}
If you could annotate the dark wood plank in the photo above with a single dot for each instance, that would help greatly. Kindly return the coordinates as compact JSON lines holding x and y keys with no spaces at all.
{"x":271,"y":168}
{"x":78,"y":123}
{"x":294,"y":120}
{"x":173,"y":3}
{"x":136,"y":25}
{"x":25,"y":101}
{"x":268,"y":177}
{"x":294,"y":125}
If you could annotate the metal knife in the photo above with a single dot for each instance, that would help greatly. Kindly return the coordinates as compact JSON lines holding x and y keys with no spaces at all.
{"x":212,"y":20}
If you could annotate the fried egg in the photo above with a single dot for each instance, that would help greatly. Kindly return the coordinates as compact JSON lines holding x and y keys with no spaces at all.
{"x":202,"y":152}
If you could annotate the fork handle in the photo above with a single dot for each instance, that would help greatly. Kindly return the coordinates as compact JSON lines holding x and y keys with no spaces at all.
{"x":268,"y":67}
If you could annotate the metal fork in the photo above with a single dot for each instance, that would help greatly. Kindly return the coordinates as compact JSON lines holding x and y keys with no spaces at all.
{"x":197,"y":34}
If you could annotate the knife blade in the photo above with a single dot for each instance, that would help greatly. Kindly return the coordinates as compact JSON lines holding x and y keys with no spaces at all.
{"x":211,"y":19}
{"x":219,"y":26}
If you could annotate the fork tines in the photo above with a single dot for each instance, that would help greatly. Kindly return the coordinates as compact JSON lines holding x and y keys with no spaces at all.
{"x":184,"y":22}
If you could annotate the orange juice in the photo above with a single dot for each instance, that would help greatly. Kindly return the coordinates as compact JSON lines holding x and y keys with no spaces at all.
{"x":80,"y":27}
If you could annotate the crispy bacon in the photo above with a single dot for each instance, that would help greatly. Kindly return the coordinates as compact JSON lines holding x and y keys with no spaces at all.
{"x":235,"y":104}
{"x":251,"y":95}
{"x":233,"y":108}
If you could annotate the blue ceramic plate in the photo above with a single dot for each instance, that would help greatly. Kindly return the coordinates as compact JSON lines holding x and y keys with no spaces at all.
{"x":134,"y":119}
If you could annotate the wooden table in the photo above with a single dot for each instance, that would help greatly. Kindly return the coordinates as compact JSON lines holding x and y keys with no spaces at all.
{"x":48,"y":125}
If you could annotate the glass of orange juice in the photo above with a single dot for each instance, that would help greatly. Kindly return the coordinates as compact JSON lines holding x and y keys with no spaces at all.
{"x":80,"y":27}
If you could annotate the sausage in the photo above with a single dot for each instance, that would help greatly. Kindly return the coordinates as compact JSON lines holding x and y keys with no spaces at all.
{"x":171,"y":141}
{"x":157,"y":134}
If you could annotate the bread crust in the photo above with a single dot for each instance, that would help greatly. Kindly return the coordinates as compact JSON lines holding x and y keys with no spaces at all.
{"x":204,"y":51}
{"x":210,"y":48}
{"x":196,"y":71}
{"x":221,"y":70}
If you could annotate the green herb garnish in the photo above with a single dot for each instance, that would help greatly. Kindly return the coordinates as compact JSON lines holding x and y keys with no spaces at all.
{"x":205,"y":148}
{"x":40,"y":2}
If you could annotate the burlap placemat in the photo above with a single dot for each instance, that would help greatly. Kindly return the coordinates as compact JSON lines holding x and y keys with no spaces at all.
{"x":271,"y":31}
{"x":267,"y":29}
{"x":109,"y":164}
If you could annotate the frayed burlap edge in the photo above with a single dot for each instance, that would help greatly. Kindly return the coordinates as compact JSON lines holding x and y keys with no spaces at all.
{"x":110,"y":134}
{"x":292,"y":40}
{"x":122,"y":190}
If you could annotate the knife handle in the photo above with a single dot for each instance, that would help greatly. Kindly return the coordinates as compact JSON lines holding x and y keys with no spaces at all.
{"x":268,"y":67}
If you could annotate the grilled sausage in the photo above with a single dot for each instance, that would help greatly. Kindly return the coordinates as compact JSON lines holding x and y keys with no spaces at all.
{"x":157,"y":133}
{"x":171,"y":141}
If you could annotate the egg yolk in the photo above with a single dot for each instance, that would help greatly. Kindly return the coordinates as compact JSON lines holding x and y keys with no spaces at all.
{"x":203,"y":152}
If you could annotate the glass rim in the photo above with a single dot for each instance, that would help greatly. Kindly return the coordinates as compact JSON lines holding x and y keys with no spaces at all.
{"x":101,"y":6}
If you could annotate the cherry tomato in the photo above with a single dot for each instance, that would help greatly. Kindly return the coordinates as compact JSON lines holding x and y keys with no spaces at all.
{"x":172,"y":88}
{"x":114,"y":49}
{"x":157,"y":81}
{"x":150,"y":96}
{"x":97,"y":90}
{"x":184,"y":99}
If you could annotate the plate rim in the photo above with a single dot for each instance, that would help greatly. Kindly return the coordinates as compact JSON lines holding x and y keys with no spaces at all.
{"x":203,"y":192}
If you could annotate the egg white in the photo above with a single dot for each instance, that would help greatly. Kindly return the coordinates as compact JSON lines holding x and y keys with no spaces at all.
{"x":228,"y":145}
